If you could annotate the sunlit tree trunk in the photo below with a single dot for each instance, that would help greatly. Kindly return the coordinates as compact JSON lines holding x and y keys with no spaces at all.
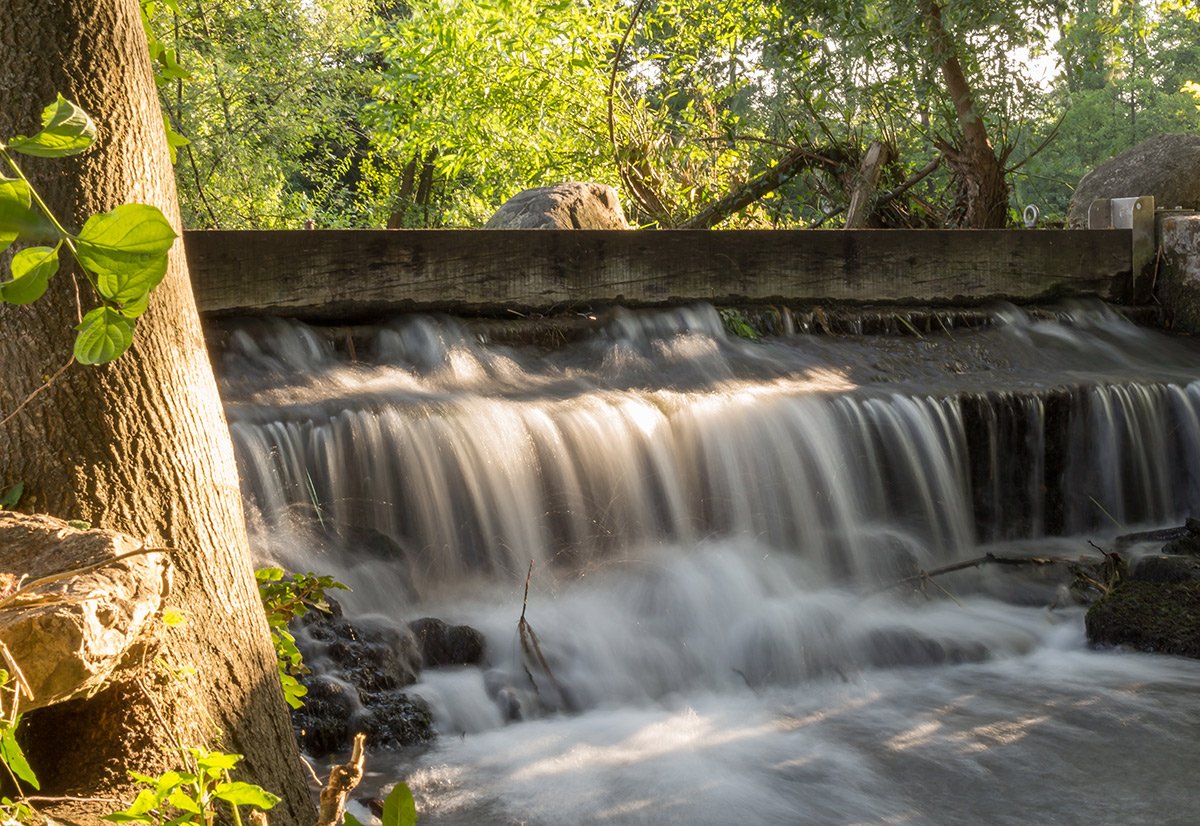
{"x":141,"y":445}
{"x":980,"y":173}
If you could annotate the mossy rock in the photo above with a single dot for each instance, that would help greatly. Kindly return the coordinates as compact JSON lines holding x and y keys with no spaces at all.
{"x":1149,"y":616}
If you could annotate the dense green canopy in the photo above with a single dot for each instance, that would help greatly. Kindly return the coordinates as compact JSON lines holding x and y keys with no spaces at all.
{"x":433,"y":112}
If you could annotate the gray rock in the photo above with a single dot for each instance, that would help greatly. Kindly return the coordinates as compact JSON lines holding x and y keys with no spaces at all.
{"x":570,"y":205}
{"x":71,"y":635}
{"x":1166,"y":568}
{"x":1165,"y":166}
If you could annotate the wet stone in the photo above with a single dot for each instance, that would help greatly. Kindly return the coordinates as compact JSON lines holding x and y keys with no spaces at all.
{"x":1166,"y":568}
{"x":442,"y":644}
{"x":1162,"y":617}
{"x":358,"y":667}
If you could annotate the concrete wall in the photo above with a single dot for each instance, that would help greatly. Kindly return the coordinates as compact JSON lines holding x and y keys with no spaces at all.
{"x":1179,"y":273}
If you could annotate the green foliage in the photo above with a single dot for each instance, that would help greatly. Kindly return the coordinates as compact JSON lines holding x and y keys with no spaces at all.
{"x":192,"y":796}
{"x":286,"y":597}
{"x":66,"y":130}
{"x":11,"y":756}
{"x":270,"y":108}
{"x":399,"y":808}
{"x":123,"y":253}
{"x":737,"y":324}
{"x":12,"y":496}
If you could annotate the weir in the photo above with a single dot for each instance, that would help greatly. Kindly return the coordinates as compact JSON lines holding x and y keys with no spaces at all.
{"x":710,"y":521}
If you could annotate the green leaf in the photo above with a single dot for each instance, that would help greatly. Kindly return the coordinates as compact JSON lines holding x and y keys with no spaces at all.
{"x":104,"y":334}
{"x":66,"y":130}
{"x":13,"y":757}
{"x":174,"y":139}
{"x":399,"y":808}
{"x":127,"y":250}
{"x":80,"y":524}
{"x":245,"y":794}
{"x":137,"y":813}
{"x":31,"y":269}
{"x":180,"y":800}
{"x":350,"y":820}
{"x":216,"y":761}
{"x":169,"y":781}
{"x":268,"y":574}
{"x":293,"y":690}
{"x":16,"y":213}
{"x":135,"y":308}
{"x":10,"y":500}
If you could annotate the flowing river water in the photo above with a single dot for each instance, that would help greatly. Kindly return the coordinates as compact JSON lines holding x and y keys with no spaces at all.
{"x":713,"y":524}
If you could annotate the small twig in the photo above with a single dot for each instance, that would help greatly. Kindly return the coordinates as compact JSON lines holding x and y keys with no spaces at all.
{"x":35,"y":393}
{"x":311,"y":771}
{"x":22,"y":683}
{"x":69,"y":799}
{"x":342,"y":780}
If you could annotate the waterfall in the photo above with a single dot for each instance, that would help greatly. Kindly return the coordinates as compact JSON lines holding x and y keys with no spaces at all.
{"x":713,"y":525}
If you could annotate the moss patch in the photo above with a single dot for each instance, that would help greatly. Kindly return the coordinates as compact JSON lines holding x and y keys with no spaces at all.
{"x":1149,"y":616}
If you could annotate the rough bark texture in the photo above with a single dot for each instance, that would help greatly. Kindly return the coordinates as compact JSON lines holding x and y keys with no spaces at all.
{"x":980,"y":173}
{"x":140,"y":446}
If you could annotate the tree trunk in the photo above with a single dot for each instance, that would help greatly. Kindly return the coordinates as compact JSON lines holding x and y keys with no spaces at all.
{"x":974,"y":163}
{"x":141,"y":445}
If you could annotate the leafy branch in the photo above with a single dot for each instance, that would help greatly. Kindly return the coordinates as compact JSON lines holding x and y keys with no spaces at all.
{"x":286,"y":597}
{"x":122,"y":253}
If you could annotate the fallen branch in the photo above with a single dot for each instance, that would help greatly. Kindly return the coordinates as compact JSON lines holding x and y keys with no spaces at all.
{"x":986,"y":559}
{"x":754,"y":189}
{"x":531,"y":646}
{"x":343,"y":779}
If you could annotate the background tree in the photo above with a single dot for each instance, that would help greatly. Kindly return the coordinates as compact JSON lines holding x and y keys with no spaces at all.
{"x":140,"y":445}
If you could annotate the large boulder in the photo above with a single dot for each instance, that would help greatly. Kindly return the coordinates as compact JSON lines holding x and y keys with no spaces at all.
{"x":570,"y":205}
{"x":72,"y":616}
{"x":1165,"y":166}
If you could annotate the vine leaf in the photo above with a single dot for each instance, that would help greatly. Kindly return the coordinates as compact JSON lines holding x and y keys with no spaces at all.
{"x":15,"y":210}
{"x":31,"y":269}
{"x":399,"y":808}
{"x":104,"y":334}
{"x":127,"y":250}
{"x":66,"y":130}
{"x":245,"y":794}
{"x":13,"y":757}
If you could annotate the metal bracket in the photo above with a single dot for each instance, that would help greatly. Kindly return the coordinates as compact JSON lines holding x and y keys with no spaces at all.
{"x":1136,"y":214}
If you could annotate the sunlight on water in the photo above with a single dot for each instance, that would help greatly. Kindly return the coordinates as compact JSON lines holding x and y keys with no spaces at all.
{"x":715,"y":526}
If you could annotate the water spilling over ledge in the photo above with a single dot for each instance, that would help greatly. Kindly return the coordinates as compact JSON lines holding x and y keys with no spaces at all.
{"x":708,"y":517}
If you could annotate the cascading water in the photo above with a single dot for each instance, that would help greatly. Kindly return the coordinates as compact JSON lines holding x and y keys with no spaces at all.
{"x":711,"y":522}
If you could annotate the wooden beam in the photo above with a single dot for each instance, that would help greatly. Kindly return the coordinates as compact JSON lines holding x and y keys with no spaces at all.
{"x":348,"y":274}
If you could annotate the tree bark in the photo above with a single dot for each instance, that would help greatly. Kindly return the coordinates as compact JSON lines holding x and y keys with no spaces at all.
{"x":974,"y":162}
{"x":141,"y":445}
{"x":742,"y":196}
{"x":866,"y":182}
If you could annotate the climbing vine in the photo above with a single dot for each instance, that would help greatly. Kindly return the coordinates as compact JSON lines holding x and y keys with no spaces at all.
{"x":121,"y":253}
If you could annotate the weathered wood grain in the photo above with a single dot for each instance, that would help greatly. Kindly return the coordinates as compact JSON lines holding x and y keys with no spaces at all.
{"x":346,"y":274}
